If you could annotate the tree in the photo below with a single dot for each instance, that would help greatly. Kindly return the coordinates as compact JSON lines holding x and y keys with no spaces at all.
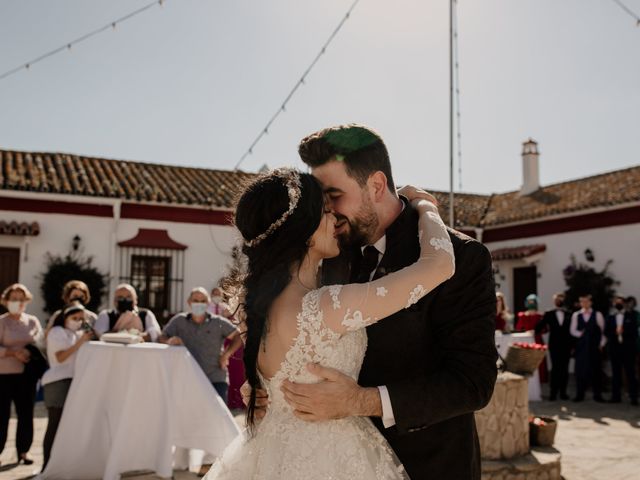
{"x":583,"y":279}
{"x":72,"y":266}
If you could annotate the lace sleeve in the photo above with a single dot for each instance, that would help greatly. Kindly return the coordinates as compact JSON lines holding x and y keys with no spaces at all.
{"x":355,"y":306}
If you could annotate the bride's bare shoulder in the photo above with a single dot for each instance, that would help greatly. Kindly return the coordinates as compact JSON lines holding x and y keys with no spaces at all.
{"x":284,"y":310}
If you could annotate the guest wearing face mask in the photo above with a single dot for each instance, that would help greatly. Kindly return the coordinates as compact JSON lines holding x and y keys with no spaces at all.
{"x":203,"y":334}
{"x":528,"y":320}
{"x":17,"y":331}
{"x":557,"y":322}
{"x":63,"y":342}
{"x":217,"y":305}
{"x":621,"y":331}
{"x":74,"y":291}
{"x":127,"y":315}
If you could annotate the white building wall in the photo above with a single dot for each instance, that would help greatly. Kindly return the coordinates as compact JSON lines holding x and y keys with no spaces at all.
{"x":207,"y":255}
{"x":619,"y":244}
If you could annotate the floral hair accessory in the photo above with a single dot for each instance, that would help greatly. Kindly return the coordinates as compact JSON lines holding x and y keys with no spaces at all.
{"x":292,"y":182}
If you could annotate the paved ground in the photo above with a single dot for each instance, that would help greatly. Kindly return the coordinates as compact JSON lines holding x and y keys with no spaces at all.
{"x":597,"y":442}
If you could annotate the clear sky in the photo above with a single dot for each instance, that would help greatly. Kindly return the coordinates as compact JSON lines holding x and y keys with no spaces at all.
{"x":193,"y":83}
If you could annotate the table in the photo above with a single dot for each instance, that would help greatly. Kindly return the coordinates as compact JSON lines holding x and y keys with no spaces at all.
{"x":127,"y":407}
{"x":503,"y":340}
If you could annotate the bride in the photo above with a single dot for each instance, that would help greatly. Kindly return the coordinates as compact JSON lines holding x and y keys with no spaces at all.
{"x":290,"y":322}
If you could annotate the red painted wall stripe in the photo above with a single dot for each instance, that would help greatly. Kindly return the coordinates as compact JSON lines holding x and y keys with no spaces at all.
{"x":128,"y":210}
{"x":612,"y":218}
{"x":52,"y":206}
{"x":175,"y":214}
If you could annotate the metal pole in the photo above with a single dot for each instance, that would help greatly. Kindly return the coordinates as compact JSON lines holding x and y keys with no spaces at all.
{"x":451,"y":124}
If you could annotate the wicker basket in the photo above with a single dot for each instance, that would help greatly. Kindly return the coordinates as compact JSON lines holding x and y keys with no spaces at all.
{"x":543,"y":435}
{"x":523,"y":361}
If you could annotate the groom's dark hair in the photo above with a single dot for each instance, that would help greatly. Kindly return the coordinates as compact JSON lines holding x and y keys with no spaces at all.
{"x":360,"y":148}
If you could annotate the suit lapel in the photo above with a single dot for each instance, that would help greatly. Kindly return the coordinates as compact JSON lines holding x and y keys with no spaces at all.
{"x":403,"y":247}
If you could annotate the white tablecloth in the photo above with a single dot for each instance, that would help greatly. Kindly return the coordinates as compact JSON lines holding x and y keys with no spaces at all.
{"x":127,"y":407}
{"x":503,"y":340}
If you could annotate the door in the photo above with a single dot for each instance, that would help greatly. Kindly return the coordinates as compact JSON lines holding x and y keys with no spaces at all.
{"x":525,"y":282}
{"x":9,"y":268}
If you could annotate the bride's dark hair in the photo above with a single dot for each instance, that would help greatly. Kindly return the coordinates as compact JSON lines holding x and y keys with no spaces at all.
{"x":268,"y":263}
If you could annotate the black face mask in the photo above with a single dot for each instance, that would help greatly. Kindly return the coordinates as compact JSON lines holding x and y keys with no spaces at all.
{"x":125,"y":304}
{"x":619,"y":306}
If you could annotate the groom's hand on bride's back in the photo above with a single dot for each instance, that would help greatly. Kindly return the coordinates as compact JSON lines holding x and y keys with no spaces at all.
{"x":262,"y":399}
{"x":335,"y":396}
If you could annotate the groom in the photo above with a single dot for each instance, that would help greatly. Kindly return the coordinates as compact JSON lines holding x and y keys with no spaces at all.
{"x":428,"y":367}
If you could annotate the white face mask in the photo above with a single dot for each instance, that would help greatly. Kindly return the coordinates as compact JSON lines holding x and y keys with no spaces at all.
{"x":199,"y":309}
{"x":74,"y":325}
{"x":216,"y":299}
{"x":15,"y":307}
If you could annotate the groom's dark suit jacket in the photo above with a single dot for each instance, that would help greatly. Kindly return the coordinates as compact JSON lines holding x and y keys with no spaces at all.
{"x":437,"y":358}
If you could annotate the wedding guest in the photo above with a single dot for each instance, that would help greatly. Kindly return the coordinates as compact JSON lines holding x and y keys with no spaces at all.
{"x":127,"y":315}
{"x":621,"y":331}
{"x":557,"y":322}
{"x":217,"y":305}
{"x":631,"y":303}
{"x":528,"y":320}
{"x":587,"y":325}
{"x":63,"y":342}
{"x":18,"y":330}
{"x":504,"y":317}
{"x":203,"y":334}
{"x":74,"y":291}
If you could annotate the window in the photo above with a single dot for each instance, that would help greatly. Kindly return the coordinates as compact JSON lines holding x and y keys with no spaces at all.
{"x":150,"y":278}
{"x":157,"y":274}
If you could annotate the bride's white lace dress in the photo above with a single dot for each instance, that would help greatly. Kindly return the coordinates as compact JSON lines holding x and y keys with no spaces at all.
{"x":331,"y":332}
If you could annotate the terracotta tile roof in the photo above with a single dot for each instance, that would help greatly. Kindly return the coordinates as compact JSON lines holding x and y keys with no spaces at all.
{"x":134,"y":181}
{"x":604,"y":190}
{"x":137,"y":181}
{"x":469,"y":209}
{"x":22,"y":228}
{"x":514,"y":253}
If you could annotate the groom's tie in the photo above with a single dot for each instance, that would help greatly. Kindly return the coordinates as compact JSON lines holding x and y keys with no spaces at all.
{"x":368,"y":264}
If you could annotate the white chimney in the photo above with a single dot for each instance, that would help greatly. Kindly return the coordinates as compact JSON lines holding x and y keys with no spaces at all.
{"x":530,"y":167}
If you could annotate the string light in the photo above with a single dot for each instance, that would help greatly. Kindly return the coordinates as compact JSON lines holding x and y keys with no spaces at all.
{"x":67,"y":46}
{"x":300,"y":82}
{"x":629,"y":11}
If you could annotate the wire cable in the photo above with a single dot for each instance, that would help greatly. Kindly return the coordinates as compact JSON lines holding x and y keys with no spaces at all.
{"x":628,"y":11}
{"x":68,"y":45}
{"x":298,"y":84}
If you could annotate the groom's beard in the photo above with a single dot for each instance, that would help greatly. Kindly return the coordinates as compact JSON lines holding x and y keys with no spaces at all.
{"x":361,"y":228}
